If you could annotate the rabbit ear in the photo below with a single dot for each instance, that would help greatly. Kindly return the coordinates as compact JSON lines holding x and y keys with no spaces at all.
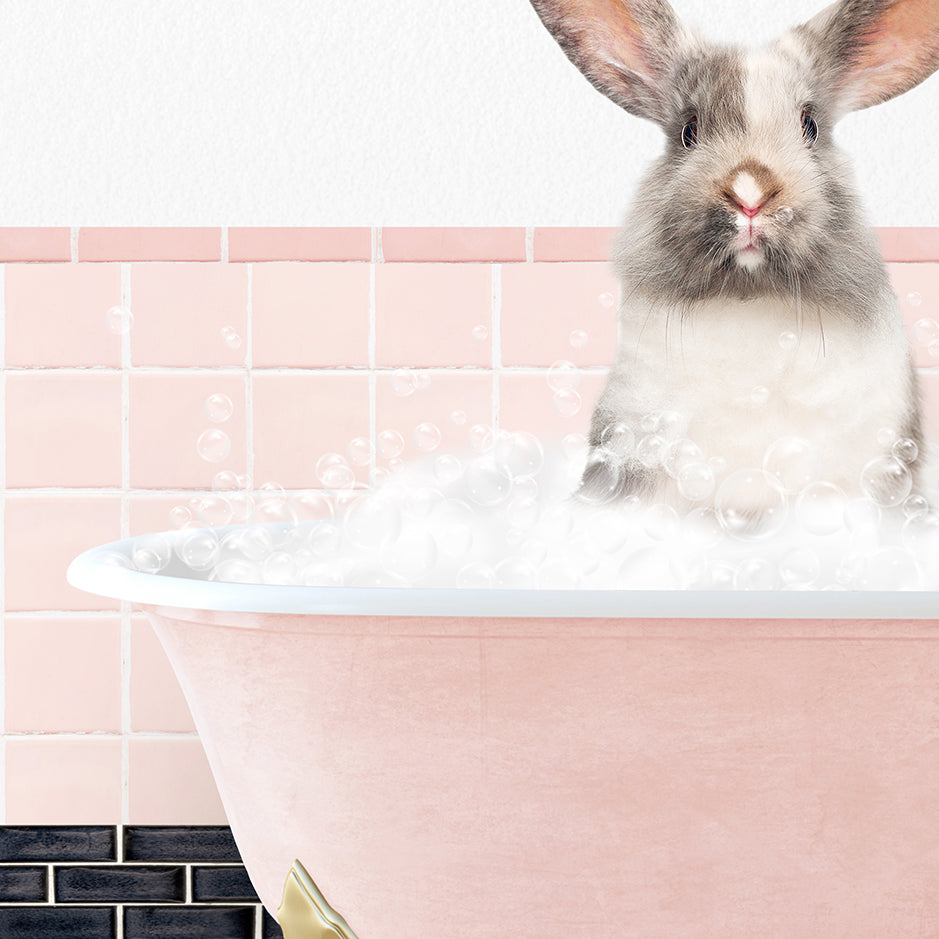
{"x":625,"y":47}
{"x":877,"y":48}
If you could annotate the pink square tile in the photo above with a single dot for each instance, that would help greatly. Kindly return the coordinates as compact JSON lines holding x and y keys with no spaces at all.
{"x":438,"y":396}
{"x":453,"y":244}
{"x":573,"y":244}
{"x":35,"y":244}
{"x":558,"y":311}
{"x":526,"y":402}
{"x":55,"y":314}
{"x":171,"y":784}
{"x":426,"y":314}
{"x":310,"y":314}
{"x":150,"y":244}
{"x":929,"y":389}
{"x":63,"y":674}
{"x":181,"y":310}
{"x":150,"y":512}
{"x":917,"y":289}
{"x":63,"y":429}
{"x":298,"y":418}
{"x":42,"y":536}
{"x":63,"y":781}
{"x":167,"y":421}
{"x":909,"y":244}
{"x":156,"y":701}
{"x":299,"y":244}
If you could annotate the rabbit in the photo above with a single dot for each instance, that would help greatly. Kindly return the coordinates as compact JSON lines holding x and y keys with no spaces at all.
{"x":757,"y":325}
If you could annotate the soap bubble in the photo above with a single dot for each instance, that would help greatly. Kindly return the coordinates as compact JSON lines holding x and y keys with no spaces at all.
{"x":606,"y":300}
{"x":756,"y":574}
{"x":862,"y":516}
{"x":488,"y":482}
{"x":749,"y":504}
{"x":370,"y":522}
{"x":360,"y":451}
{"x":227,"y":481}
{"x":602,"y":476}
{"x":481,"y":438}
{"x":390,"y":444}
{"x":318,"y":574}
{"x":651,"y":450}
{"x":905,"y":450}
{"x":788,"y":341}
{"x":516,"y":573}
{"x":914,"y":299}
{"x":522,"y":512}
{"x":419,"y":501}
{"x":578,"y":338}
{"x":915,"y":507}
{"x":886,"y":481}
{"x":213,"y":445}
{"x":411,"y":555}
{"x":886,"y":436}
{"x":236,"y":571}
{"x":563,"y":376}
{"x":799,"y":567}
{"x":230,"y":337}
{"x":791,"y":463}
{"x":566,"y":402}
{"x":334,"y":472}
{"x":214,"y":511}
{"x":312,"y":505}
{"x":820,"y":508}
{"x":759,"y":395}
{"x":933,"y":349}
{"x":784,"y":214}
{"x":481,"y":332}
{"x":649,"y":568}
{"x":279,"y":568}
{"x":426,"y":437}
{"x":660,"y":522}
{"x":180,"y":516}
{"x":403,"y":382}
{"x":618,"y":438}
{"x":453,"y":523}
{"x":519,"y":453}
{"x":696,"y":481}
{"x":458,"y":417}
{"x":891,"y":568}
{"x":151,"y":553}
{"x":925,"y":331}
{"x":447,"y":469}
{"x":218,"y":408}
{"x":324,"y":539}
{"x":476,"y":576}
{"x":681,"y":453}
{"x":119,"y":320}
{"x":198,"y":549}
{"x":556,"y":575}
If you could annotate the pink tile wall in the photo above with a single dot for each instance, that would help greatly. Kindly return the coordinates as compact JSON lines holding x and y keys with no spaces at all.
{"x":315,"y":336}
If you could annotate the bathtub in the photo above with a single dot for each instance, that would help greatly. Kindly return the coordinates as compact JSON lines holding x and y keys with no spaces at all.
{"x":472,"y":764}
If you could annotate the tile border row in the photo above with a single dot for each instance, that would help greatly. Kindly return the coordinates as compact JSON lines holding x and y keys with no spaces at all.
{"x":388,"y":244}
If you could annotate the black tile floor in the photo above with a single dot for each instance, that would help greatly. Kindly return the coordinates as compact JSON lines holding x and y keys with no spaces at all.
{"x":81,"y":882}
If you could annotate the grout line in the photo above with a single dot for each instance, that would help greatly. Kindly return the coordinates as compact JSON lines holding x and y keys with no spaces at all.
{"x":249,"y":381}
{"x":223,"y":253}
{"x":259,"y":921}
{"x":50,"y":885}
{"x":496,"y":338}
{"x":119,"y":921}
{"x":529,"y":244}
{"x":378,"y":250}
{"x":188,"y":883}
{"x":73,"y":244}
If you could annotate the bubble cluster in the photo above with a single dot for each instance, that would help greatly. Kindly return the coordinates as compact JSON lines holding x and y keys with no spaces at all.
{"x":119,"y":320}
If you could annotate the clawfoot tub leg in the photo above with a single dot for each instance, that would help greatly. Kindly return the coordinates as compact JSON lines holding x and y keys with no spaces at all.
{"x":304,"y":913}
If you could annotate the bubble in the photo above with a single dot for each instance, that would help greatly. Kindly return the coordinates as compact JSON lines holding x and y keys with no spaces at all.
{"x":213,"y":511}
{"x":905,"y":450}
{"x":488,"y":481}
{"x":606,"y":300}
{"x":578,"y":338}
{"x":218,"y":408}
{"x":563,"y":376}
{"x":481,"y":438}
{"x":370,"y":522}
{"x":788,"y":341}
{"x":820,"y":508}
{"x":522,"y":512}
{"x":602,"y":476}
{"x":453,"y":525}
{"x":236,"y":571}
{"x":390,"y":444}
{"x":679,"y":454}
{"x":886,"y":481}
{"x":862,"y":517}
{"x":925,"y":331}
{"x":566,"y":402}
{"x":447,"y":469}
{"x":279,"y":568}
{"x":914,"y":299}
{"x":213,"y":445}
{"x":481,"y":332}
{"x":313,"y":505}
{"x":618,"y":438}
{"x":420,"y":501}
{"x":799,"y":567}
{"x":933,"y":349}
{"x":649,"y":423}
{"x":660,"y":522}
{"x":119,"y":320}
{"x":198,"y":549}
{"x":422,"y":380}
{"x":756,"y":574}
{"x":784,"y":215}
{"x":651,"y":450}
{"x":891,"y":568}
{"x":557,"y":522}
{"x":151,"y":553}
{"x":458,"y":417}
{"x":915,"y":507}
{"x":886,"y":436}
{"x":921,"y":533}
{"x":228,"y":481}
{"x":701,"y":528}
{"x":334,"y":472}
{"x":574,"y":446}
{"x":556,"y":575}
{"x":515,"y":573}
{"x":671,"y":425}
{"x":519,"y":453}
{"x":403,"y":382}
{"x":318,"y":574}
{"x":324,"y":539}
{"x":426,"y":437}
{"x":749,"y":504}
{"x":649,"y":568}
{"x":476,"y":576}
{"x":791,"y":463}
{"x":759,"y":395}
{"x":696,"y":481}
{"x":412,"y":555}
{"x":180,"y":516}
{"x":230,"y":337}
{"x":360,"y":451}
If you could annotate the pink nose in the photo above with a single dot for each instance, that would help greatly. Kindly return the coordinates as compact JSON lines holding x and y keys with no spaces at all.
{"x":749,"y":210}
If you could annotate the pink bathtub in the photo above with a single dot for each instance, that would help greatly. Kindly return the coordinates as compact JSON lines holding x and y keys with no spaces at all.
{"x":461,"y":764}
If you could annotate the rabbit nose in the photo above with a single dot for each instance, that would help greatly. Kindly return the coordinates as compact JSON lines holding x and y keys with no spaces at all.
{"x":749,"y":187}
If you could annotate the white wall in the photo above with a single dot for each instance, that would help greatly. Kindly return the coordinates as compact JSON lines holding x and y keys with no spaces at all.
{"x":428,"y":112}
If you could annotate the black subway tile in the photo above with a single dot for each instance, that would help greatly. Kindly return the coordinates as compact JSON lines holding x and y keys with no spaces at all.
{"x":120,"y":884}
{"x":222,"y":883}
{"x":188,"y":922}
{"x":58,"y":843}
{"x":270,"y":928}
{"x":23,"y":884}
{"x":175,"y":844}
{"x":56,"y":922}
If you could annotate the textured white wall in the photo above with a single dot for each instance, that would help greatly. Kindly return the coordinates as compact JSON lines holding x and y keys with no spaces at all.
{"x":427,"y":112}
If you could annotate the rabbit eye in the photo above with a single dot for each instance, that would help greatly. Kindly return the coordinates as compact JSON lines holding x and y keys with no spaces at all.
{"x":809,"y":127}
{"x":689,"y":133}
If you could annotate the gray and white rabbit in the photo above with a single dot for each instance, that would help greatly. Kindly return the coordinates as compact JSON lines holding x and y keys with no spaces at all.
{"x":755,"y":307}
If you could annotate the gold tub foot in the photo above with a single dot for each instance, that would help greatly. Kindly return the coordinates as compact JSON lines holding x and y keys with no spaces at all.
{"x":304,"y":913}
